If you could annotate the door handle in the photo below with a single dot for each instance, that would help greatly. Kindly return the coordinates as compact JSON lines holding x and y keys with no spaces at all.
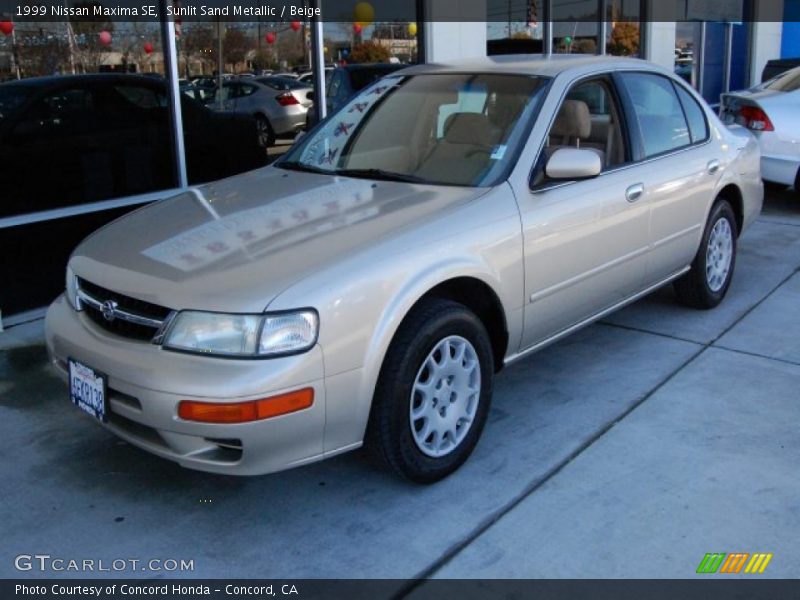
{"x":712,"y":166}
{"x":633,"y":193}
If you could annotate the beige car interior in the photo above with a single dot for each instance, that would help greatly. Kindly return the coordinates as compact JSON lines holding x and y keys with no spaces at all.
{"x":462,"y":150}
{"x":577,"y":126}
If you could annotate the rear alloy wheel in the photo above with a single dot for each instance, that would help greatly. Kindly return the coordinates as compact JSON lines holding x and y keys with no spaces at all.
{"x":433,"y":393}
{"x":266,"y":136}
{"x":707,"y":282}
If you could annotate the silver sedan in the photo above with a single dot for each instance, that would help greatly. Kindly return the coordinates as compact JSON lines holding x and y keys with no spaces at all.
{"x":278,"y":104}
{"x":369,"y":286}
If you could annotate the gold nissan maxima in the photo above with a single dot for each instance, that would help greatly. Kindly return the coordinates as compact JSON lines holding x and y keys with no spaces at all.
{"x":368,"y":286}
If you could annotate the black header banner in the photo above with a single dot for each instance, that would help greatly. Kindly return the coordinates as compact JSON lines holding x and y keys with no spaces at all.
{"x":367,"y":12}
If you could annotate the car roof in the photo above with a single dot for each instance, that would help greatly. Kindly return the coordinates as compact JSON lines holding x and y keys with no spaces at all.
{"x":545,"y":66}
{"x":59,"y":80}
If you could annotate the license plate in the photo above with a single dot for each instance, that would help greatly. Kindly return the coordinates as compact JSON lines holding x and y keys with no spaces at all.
{"x":87,"y":390}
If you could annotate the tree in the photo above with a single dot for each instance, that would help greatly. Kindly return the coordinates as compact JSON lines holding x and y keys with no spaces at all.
{"x":624,"y":39}
{"x":44,"y":54}
{"x":87,"y":36}
{"x":369,"y":52}
{"x":197,"y":42}
{"x":235,"y":45}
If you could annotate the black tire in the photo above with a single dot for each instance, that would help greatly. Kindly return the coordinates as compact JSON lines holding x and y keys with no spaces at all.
{"x":264,"y":131}
{"x":693,"y":289}
{"x":797,"y":184}
{"x":389,"y":433}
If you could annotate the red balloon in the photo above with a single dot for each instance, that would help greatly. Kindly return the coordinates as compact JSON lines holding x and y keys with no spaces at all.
{"x":357,"y":27}
{"x":295,"y":25}
{"x":105,"y":38}
{"x":270,"y":37}
{"x":148,"y":47}
{"x":6,"y":27}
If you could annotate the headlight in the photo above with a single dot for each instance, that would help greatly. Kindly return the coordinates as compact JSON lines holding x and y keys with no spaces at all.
{"x":72,"y":290}
{"x":243,"y":335}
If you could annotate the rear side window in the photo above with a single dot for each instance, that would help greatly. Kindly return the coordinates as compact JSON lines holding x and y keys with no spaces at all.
{"x":662,"y":123}
{"x":698,"y":126}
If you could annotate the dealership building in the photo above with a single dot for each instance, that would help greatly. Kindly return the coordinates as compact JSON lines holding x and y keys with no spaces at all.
{"x":80,"y":155}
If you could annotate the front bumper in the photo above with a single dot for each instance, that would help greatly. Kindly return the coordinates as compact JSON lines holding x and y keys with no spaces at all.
{"x":146,"y":383}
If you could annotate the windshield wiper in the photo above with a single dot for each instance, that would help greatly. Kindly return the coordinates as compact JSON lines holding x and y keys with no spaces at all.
{"x":296,"y":165}
{"x":380,"y":174}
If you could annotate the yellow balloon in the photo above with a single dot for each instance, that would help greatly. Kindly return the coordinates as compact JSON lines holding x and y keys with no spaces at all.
{"x":363,"y":13}
{"x":412,"y":29}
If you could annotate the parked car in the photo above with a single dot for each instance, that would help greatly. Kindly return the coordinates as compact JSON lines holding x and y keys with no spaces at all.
{"x":771,"y":110}
{"x":278,"y":104}
{"x":367,"y":287}
{"x":308,"y":77}
{"x":345,"y":81}
{"x":68,"y":141}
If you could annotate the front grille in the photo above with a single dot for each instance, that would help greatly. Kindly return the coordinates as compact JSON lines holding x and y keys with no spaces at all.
{"x":137,"y":319}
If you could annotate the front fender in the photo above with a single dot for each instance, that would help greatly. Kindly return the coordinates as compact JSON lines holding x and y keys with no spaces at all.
{"x":363,"y":300}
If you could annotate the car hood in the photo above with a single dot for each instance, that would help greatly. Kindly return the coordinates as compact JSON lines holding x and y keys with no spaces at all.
{"x":235,"y":244}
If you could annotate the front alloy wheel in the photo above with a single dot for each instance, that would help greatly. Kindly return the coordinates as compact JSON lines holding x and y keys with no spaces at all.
{"x":433,"y":392}
{"x":445,"y":397}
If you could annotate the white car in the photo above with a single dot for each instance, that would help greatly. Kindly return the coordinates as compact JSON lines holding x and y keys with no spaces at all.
{"x":771,"y":110}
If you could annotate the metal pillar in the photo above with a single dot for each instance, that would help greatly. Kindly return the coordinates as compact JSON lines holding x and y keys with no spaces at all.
{"x":318,"y":64}
{"x":173,"y":87}
{"x":547,"y":28}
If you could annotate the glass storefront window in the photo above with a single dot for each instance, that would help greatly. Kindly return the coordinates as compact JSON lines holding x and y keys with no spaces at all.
{"x":514,"y":27}
{"x":85,"y":135}
{"x":623,"y":32}
{"x":576,"y":26}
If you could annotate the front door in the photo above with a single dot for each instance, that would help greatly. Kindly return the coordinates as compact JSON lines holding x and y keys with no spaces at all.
{"x":585,"y":242}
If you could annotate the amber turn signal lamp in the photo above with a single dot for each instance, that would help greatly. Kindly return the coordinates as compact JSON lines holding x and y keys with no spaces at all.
{"x":244,"y":412}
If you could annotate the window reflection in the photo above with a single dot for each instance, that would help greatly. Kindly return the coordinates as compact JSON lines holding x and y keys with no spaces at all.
{"x":576,"y":26}
{"x":623,"y":36}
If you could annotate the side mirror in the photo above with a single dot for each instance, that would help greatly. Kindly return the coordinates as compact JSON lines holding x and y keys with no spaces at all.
{"x":573,"y":163}
{"x":310,"y":95}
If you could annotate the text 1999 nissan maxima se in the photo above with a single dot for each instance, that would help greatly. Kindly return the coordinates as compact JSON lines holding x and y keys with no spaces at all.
{"x":369,"y":285}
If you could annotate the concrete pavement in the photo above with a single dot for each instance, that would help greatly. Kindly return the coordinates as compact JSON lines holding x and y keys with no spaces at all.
{"x":628,"y":450}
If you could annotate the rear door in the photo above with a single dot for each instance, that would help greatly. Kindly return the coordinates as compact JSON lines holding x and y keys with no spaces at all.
{"x":671,"y":140}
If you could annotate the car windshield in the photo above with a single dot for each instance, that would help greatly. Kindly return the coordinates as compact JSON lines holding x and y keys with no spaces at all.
{"x":12,"y":97}
{"x":785,"y":82}
{"x":452,"y":129}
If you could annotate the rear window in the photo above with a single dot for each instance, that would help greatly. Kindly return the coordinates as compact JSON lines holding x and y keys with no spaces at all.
{"x":698,"y":126}
{"x":661,"y":118}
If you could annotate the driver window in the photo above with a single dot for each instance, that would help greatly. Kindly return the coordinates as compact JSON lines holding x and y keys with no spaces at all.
{"x":588,"y":119}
